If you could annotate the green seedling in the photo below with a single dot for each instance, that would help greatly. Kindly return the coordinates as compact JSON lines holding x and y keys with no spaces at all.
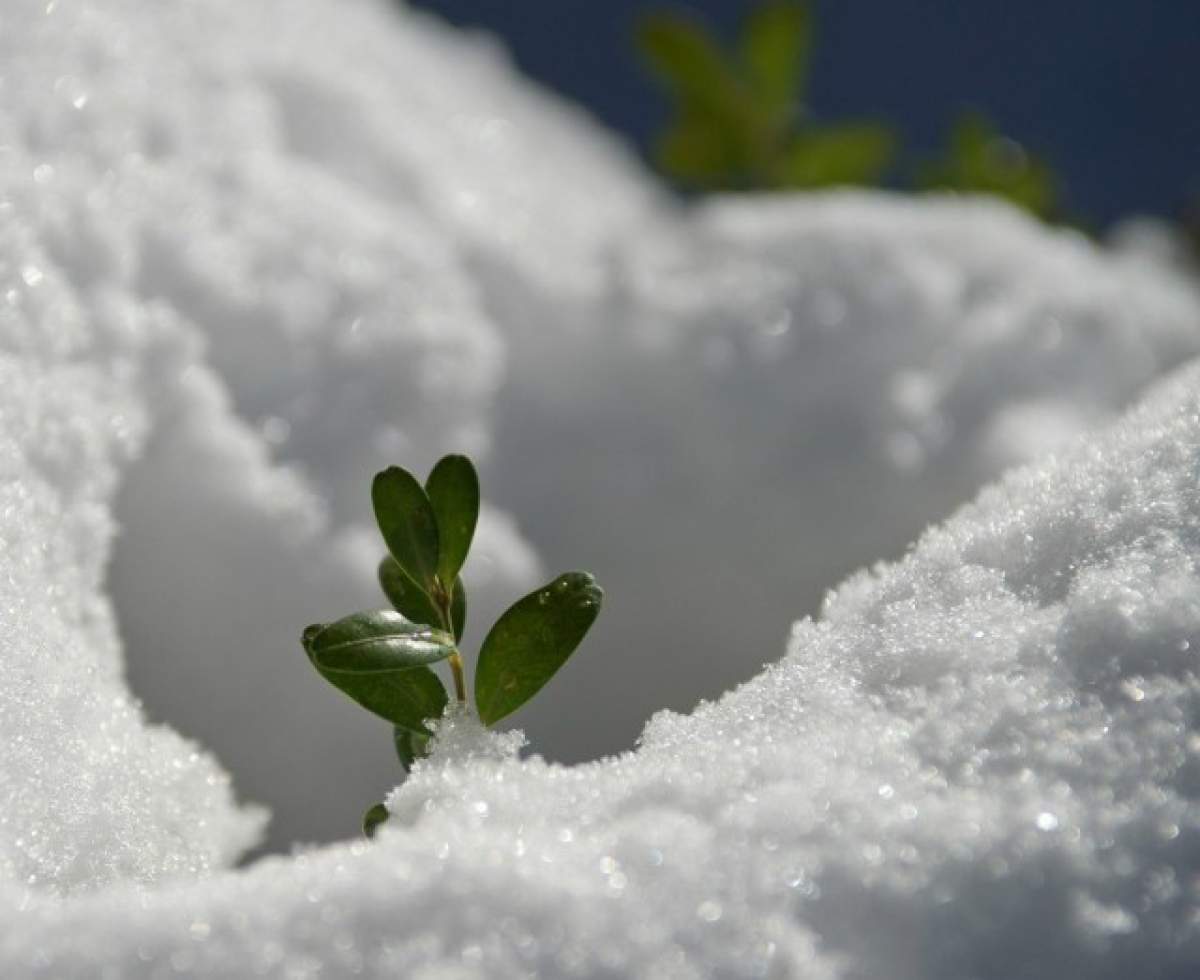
{"x":740,"y":118}
{"x":979,"y":159}
{"x":384,"y":659}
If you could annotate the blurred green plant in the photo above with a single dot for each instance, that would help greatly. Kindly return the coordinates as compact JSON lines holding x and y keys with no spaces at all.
{"x":740,"y":119}
{"x":382,"y":659}
{"x":979,"y":159}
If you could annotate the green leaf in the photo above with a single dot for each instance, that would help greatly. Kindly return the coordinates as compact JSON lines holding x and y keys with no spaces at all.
{"x":376,"y":642}
{"x":414,"y":604}
{"x":688,"y":60}
{"x":375,"y":816}
{"x":453,"y":490}
{"x":531,"y":641}
{"x":405,"y":697}
{"x":696,"y":152}
{"x":458,"y":608}
{"x":850,"y":153}
{"x":404,"y":594}
{"x":409,"y":747}
{"x":981,"y":160}
{"x":774,"y":47}
{"x":408,"y":524}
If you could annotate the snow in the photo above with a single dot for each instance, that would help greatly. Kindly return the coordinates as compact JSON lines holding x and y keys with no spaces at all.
{"x":784,"y":389}
{"x":91,"y":793}
{"x":250,"y":253}
{"x":980,"y":761}
{"x":308,"y":322}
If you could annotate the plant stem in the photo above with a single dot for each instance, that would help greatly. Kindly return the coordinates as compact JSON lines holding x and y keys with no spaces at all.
{"x":460,"y":684}
{"x":442,"y":598}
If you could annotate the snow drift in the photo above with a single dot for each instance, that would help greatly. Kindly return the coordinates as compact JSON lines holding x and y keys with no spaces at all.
{"x":246,"y":250}
{"x":980,"y":761}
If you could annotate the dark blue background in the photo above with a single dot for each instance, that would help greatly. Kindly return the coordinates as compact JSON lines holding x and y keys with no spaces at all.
{"x":1107,"y":91}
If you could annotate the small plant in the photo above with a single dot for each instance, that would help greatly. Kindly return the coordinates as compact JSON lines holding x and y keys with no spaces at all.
{"x":383,"y":659}
{"x":980,"y":159}
{"x":741,"y":122}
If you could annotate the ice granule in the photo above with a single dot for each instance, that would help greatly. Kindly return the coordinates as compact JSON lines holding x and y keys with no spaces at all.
{"x":463,"y":754}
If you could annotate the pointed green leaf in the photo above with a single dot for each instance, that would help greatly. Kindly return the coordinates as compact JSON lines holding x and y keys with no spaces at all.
{"x":453,"y":490}
{"x":409,"y":747}
{"x":375,"y":816}
{"x":849,"y":153}
{"x":689,"y":60}
{"x":775,"y":48}
{"x":531,"y":641}
{"x":408,"y":524}
{"x":458,"y":608}
{"x":382,"y":641}
{"x":403,"y":593}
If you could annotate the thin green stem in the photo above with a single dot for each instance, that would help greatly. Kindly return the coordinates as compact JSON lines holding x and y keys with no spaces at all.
{"x":460,"y":682}
{"x":442,"y":599}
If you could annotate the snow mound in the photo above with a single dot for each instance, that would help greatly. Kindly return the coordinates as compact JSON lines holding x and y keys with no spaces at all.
{"x":91,"y":793}
{"x":779,"y":390}
{"x":980,"y":761}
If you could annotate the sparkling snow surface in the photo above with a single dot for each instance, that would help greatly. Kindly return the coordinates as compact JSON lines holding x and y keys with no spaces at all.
{"x":249,"y":253}
{"x":982,"y":761}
